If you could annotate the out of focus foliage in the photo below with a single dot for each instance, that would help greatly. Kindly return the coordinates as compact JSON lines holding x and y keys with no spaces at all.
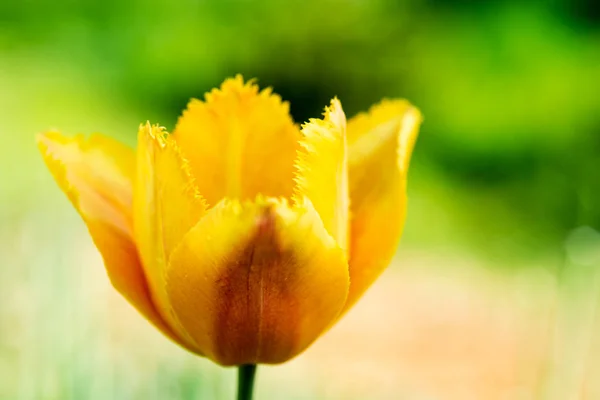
{"x":509,"y":154}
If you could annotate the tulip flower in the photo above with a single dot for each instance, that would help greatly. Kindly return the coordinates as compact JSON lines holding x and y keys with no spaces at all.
{"x":242,"y":236}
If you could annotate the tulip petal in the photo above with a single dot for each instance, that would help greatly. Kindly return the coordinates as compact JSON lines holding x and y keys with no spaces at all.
{"x":166,"y":205}
{"x":380,"y":144}
{"x":239,"y":142}
{"x":97,"y":176}
{"x":257,"y":282}
{"x":322,"y":170}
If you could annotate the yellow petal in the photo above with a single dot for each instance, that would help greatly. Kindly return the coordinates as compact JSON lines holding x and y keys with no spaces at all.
{"x":240,"y":142}
{"x":257,"y":282}
{"x":380,"y":144}
{"x":322,"y":170}
{"x":97,"y":175}
{"x":166,"y":205}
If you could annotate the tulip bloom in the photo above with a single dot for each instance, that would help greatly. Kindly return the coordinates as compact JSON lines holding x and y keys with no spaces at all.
{"x":242,"y":236}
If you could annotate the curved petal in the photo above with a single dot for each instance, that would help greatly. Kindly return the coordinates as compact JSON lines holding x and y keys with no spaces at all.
{"x":240,"y":142}
{"x":322,"y":170}
{"x":166,"y":205}
{"x":257,"y":282}
{"x":97,"y":174}
{"x":380,"y":144}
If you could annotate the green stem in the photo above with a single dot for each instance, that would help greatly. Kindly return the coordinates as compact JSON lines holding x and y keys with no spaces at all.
{"x":246,"y":374}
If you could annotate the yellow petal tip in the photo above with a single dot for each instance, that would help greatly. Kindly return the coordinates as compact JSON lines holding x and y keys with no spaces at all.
{"x":321,"y":170}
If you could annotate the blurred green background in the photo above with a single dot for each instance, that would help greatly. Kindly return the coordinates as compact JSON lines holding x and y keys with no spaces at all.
{"x":504,"y":188}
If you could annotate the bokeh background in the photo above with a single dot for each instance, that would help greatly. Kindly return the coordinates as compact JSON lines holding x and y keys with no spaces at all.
{"x":494,"y":290}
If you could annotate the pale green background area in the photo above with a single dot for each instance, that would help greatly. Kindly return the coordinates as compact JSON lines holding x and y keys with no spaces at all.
{"x":504,"y":177}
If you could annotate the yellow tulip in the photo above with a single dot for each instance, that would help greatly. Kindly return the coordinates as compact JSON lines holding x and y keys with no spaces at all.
{"x":242,"y":236}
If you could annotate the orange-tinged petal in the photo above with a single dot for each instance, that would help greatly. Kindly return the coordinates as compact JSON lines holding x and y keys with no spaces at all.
{"x":97,"y":176}
{"x":240,"y":142}
{"x":322,"y":170}
{"x":166,"y":205}
{"x":257,"y":282}
{"x":380,"y":144}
